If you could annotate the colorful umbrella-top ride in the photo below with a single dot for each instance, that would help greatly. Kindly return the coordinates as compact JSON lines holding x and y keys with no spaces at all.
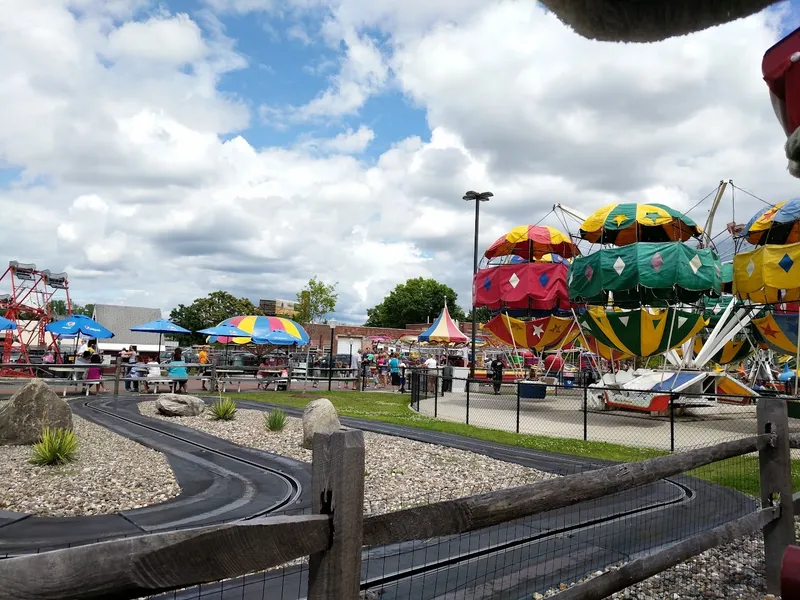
{"x":642,"y":332}
{"x":265,"y":330}
{"x":623,"y":224}
{"x":649,"y":267}
{"x":769,"y":274}
{"x":778,"y":224}
{"x":526,"y":273}
{"x":443,"y":331}
{"x":547,"y":333}
{"x":533,"y":241}
{"x":645,"y":274}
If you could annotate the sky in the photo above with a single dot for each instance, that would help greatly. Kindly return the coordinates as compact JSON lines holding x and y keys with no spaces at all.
{"x":158,"y":151}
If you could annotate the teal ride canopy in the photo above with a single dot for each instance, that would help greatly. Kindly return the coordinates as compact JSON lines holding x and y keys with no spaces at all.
{"x":645,"y":274}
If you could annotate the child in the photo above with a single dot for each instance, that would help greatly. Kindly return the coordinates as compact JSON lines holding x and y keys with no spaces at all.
{"x":95,"y":372}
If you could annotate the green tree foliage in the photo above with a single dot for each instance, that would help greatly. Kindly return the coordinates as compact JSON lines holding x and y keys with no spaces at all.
{"x":58,"y":308}
{"x":414,"y":301}
{"x":482,"y":313}
{"x":315,"y":301}
{"x":210,"y":311}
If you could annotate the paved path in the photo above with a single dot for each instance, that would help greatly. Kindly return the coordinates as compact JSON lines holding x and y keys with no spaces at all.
{"x":562,"y":416}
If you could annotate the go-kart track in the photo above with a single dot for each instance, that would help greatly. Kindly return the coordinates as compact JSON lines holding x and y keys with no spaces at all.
{"x":222,"y":481}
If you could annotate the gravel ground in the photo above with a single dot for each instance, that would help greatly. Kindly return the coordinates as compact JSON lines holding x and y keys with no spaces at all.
{"x":399,"y":472}
{"x":111,"y":473}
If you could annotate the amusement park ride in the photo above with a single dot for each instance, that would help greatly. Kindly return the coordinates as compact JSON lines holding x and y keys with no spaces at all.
{"x":28,"y":305}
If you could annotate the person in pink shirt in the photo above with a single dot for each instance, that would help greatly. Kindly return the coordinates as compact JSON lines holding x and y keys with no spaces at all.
{"x":95,"y":372}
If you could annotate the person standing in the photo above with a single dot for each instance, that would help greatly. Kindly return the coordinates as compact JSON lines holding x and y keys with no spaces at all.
{"x":202,"y":358}
{"x":355,"y":368}
{"x":177,"y":370}
{"x":497,"y":374}
{"x":394,"y":373}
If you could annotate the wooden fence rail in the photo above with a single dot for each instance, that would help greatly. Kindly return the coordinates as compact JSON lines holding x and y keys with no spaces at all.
{"x":334,"y":535}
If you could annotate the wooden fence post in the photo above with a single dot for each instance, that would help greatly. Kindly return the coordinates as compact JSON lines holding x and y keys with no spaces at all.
{"x":214,"y":383}
{"x":776,"y":487}
{"x":337,"y":488}
{"x":117,"y":372}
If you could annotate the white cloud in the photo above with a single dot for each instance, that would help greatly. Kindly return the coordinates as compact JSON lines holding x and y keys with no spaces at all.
{"x":174,"y":41}
{"x":347,"y":142}
{"x":150,"y":192}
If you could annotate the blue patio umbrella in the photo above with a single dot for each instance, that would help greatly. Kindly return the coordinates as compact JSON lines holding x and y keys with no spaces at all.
{"x":6,"y":324}
{"x":160,"y":326}
{"x":77,"y":325}
{"x":227,"y":331}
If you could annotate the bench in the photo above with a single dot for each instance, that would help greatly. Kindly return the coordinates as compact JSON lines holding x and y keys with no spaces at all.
{"x":73,"y":383}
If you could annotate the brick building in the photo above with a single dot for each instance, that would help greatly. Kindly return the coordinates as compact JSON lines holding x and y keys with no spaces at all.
{"x":347,"y":337}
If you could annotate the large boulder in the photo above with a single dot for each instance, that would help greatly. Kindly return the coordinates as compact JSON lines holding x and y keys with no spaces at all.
{"x":32,"y":408}
{"x":177,"y":405}
{"x":319,"y":416}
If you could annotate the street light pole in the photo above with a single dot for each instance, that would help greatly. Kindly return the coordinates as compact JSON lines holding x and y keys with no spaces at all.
{"x":478,"y":198}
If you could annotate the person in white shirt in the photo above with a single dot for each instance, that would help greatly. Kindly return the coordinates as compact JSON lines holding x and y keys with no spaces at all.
{"x":430,"y":363}
{"x":355,"y":366}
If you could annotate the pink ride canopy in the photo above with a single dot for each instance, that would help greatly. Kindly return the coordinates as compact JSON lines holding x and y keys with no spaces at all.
{"x":443,"y":331}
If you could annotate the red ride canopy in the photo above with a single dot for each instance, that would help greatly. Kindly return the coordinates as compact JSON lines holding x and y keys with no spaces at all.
{"x":538,"y":286}
{"x":781,"y":70}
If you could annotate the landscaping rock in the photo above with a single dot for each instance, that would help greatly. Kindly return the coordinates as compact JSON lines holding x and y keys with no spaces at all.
{"x":33,"y":407}
{"x":177,"y":405}
{"x":318,"y":417}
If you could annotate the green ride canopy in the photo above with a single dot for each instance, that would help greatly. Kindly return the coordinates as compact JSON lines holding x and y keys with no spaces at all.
{"x":641,"y":332}
{"x":645,"y":274}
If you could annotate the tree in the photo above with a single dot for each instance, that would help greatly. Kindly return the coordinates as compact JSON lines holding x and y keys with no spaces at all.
{"x":315,"y":301}
{"x":210,"y":311}
{"x":414,"y":301}
{"x":58,"y":308}
{"x":482,"y":313}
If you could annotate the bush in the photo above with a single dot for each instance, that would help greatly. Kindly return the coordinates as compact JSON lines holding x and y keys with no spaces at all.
{"x":275,"y":420}
{"x":223,"y":409}
{"x":56,"y":447}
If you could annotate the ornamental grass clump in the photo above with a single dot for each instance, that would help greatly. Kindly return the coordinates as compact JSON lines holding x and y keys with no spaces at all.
{"x":275,"y":420}
{"x":57,"y":446}
{"x":223,"y":409}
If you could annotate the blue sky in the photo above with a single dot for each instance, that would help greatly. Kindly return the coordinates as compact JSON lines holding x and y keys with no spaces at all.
{"x":284,"y":70}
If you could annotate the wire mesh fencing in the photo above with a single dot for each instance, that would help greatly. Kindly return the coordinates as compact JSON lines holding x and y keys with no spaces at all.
{"x":655,"y":420}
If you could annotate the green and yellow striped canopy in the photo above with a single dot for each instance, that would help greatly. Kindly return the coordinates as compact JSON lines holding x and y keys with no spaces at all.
{"x":628,"y":223}
{"x":641,"y":332}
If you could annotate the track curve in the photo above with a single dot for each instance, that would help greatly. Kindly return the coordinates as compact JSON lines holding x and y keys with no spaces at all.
{"x":220,"y":481}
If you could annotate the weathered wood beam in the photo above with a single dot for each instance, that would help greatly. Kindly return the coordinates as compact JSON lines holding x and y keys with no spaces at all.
{"x":640,"y":569}
{"x":775,"y":471}
{"x":140,"y":566}
{"x":337,"y":489}
{"x":476,"y":512}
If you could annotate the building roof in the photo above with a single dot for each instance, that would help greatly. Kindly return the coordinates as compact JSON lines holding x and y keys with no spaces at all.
{"x":120,"y":319}
{"x":651,"y":20}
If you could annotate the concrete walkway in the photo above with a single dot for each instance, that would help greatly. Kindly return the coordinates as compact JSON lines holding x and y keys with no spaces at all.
{"x":563,"y":416}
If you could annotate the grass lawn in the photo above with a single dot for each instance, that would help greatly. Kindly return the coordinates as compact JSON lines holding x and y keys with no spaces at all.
{"x":740,"y":473}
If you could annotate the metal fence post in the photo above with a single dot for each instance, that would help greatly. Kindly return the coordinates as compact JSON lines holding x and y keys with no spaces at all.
{"x":117,"y":373}
{"x":517,"y":383}
{"x":467,"y":417}
{"x":776,"y":487}
{"x":585,"y":412}
{"x":672,"y":422}
{"x":436,"y":402}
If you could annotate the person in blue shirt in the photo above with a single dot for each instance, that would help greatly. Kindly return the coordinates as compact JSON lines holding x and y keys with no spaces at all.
{"x":178,"y":371}
{"x":394,"y":369}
